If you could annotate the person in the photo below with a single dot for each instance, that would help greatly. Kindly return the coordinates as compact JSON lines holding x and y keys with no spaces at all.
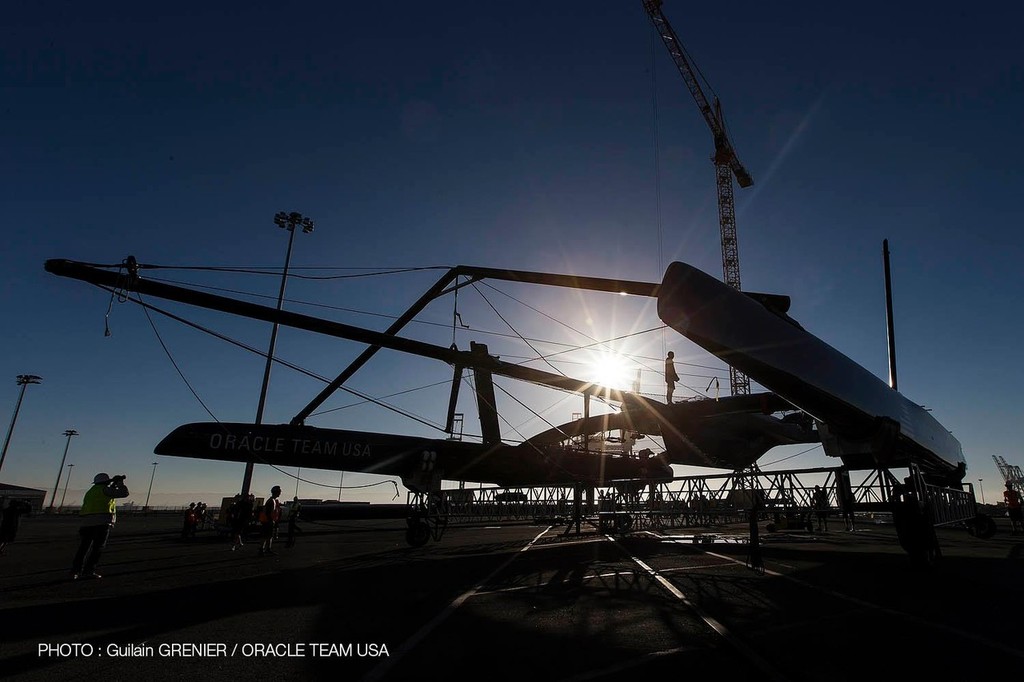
{"x":1013,"y":508}
{"x":269,"y":516}
{"x":98,"y":514}
{"x":201,"y":517}
{"x":670,"y":377}
{"x":241,"y":517}
{"x":820,"y":499}
{"x":9,"y":524}
{"x":846,"y":499}
{"x":293,"y":521}
{"x":190,"y":521}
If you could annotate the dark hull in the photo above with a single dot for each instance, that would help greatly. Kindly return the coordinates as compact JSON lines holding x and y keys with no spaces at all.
{"x":865,"y":419}
{"x":411,"y":458}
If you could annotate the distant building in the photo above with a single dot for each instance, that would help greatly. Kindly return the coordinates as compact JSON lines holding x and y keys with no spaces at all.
{"x":16,"y":492}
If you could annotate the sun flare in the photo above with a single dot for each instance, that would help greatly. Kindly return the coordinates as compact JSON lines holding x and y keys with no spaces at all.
{"x":611,"y":370}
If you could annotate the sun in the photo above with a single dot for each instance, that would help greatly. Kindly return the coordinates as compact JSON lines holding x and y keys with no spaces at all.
{"x":609,"y":369}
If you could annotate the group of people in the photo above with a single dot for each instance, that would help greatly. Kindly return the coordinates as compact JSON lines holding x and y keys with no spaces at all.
{"x":240,"y":517}
{"x":99,"y":514}
{"x":195,"y":518}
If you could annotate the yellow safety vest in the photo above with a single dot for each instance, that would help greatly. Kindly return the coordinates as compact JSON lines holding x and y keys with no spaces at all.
{"x":97,"y":506}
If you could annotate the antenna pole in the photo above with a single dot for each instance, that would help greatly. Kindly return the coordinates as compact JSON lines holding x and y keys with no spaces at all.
{"x":888,"y":316}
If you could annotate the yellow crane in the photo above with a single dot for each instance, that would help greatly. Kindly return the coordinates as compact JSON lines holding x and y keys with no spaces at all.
{"x":725,"y":160}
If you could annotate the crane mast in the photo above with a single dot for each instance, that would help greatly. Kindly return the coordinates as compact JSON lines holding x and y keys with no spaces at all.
{"x":726,"y":164}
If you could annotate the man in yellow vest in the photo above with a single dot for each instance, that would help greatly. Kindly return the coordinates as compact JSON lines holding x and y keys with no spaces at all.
{"x":98,"y":513}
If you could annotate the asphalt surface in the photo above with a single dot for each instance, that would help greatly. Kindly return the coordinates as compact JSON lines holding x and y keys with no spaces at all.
{"x":352,"y":601}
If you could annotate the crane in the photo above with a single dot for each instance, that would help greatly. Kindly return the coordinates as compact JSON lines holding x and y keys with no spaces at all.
{"x":725,"y":160}
{"x":1011,"y":472}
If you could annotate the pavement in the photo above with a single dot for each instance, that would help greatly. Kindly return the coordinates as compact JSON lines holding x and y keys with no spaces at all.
{"x":517,"y":601}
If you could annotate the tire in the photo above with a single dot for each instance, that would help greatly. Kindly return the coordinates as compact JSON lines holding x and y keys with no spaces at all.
{"x":417,"y":534}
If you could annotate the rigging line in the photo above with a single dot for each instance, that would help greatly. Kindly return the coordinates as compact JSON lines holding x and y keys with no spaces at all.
{"x":696,"y":68}
{"x":171,"y":358}
{"x":347,"y":310}
{"x":390,"y":395}
{"x":286,"y":363}
{"x":296,"y":301}
{"x":528,"y":409}
{"x":527,"y":358}
{"x":223,"y":337}
{"x":804,"y":452}
{"x":396,"y":410}
{"x":568,"y":347}
{"x":561,"y":400}
{"x":603,"y":343}
{"x":657,"y":151}
{"x":527,"y":441}
{"x":683,"y":362}
{"x":539,"y":355}
{"x":455,"y":309}
{"x":596,"y":342}
{"x":276,"y":271}
{"x":541,"y":312}
{"x":296,"y":477}
{"x":657,"y":168}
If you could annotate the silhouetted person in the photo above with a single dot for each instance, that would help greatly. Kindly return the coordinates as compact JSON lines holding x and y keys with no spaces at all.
{"x":98,"y":514}
{"x":820,"y":499}
{"x":293,"y":521}
{"x":189,"y":522}
{"x":670,"y":377}
{"x":846,"y":499}
{"x":9,"y":524}
{"x":269,"y":517}
{"x":1013,"y":508}
{"x":240,"y":516}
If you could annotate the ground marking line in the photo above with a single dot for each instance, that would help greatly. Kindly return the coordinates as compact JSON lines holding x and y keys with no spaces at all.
{"x":886,"y":610}
{"x":722,"y":631}
{"x":627,"y":665}
{"x":421,"y":634}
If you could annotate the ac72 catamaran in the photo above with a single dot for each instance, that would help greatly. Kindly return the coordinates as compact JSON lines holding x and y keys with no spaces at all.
{"x":858,"y":418}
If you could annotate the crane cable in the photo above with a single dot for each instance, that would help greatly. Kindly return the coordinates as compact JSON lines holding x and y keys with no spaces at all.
{"x":657,"y":167}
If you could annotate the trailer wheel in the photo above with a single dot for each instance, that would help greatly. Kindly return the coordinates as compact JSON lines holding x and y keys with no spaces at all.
{"x":417,"y":533}
{"x":982,"y":526}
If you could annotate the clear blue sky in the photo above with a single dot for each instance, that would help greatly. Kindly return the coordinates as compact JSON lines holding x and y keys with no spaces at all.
{"x":521,"y":135}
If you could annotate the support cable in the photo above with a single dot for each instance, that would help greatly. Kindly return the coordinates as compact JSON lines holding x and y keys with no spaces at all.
{"x":285,"y":363}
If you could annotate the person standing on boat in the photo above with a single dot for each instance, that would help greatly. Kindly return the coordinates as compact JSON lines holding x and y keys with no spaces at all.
{"x":670,"y":377}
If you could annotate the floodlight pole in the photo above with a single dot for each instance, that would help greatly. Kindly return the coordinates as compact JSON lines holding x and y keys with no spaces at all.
{"x":67,"y":482}
{"x":287,"y":221}
{"x":23,"y":380}
{"x":60,"y":472}
{"x":146,"y":506}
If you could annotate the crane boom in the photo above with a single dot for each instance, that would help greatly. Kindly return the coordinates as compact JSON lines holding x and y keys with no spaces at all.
{"x":726,"y":164}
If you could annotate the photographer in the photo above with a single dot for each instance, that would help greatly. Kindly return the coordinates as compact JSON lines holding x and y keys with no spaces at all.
{"x":99,"y":513}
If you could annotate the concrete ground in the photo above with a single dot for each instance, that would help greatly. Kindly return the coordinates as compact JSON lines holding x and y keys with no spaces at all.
{"x":509,"y":602}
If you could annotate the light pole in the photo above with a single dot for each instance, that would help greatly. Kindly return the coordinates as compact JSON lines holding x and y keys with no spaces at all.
{"x":23,"y":380}
{"x":286,"y":221}
{"x":60,"y":471}
{"x":982,"y":490}
{"x":146,"y":506}
{"x":66,"y":482}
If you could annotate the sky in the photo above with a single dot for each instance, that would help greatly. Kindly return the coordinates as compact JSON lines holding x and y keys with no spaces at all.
{"x":554,"y":137}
